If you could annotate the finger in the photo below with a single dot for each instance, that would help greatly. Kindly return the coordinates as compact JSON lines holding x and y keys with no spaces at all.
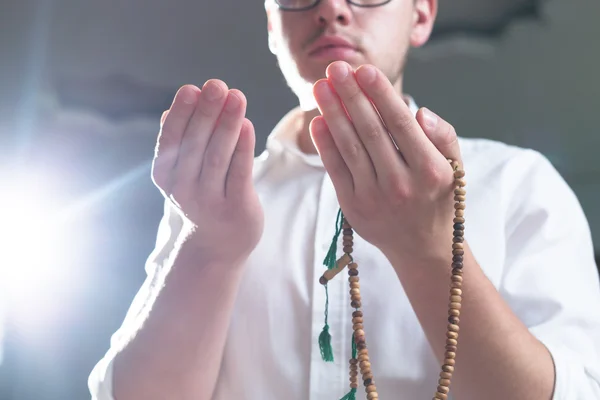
{"x":345,"y":137}
{"x":332,"y":159}
{"x":239,"y":175}
{"x":368,"y":124}
{"x":163,"y":117}
{"x":168,"y":144}
{"x":416,"y":149}
{"x":441,"y":133}
{"x":217,"y":158}
{"x":199,"y":131}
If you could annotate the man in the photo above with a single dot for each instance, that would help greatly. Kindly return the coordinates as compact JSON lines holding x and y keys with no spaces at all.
{"x":232,"y":306}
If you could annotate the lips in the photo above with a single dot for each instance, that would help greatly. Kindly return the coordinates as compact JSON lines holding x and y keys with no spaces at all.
{"x":331,"y":42}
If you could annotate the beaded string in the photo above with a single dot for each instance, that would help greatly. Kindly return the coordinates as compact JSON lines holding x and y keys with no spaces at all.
{"x":360,"y":353}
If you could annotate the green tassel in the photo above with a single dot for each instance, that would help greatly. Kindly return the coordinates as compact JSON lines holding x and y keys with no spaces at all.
{"x":350,"y":396}
{"x":325,"y":337}
{"x":331,"y":256}
{"x":354,"y":351}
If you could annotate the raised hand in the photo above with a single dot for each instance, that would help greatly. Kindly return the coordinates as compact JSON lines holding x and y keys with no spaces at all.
{"x":390,"y":170}
{"x":203,"y":164}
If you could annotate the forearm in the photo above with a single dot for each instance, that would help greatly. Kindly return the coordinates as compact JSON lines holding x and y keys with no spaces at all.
{"x":497,"y":358}
{"x":177,"y":350}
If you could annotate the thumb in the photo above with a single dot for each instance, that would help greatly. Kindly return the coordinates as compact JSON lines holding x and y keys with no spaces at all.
{"x":441,"y":133}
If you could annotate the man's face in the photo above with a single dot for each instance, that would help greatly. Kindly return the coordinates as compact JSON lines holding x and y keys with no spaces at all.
{"x":306,"y":42}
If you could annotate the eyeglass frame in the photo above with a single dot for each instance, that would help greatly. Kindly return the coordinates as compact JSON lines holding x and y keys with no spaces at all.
{"x":316,"y":3}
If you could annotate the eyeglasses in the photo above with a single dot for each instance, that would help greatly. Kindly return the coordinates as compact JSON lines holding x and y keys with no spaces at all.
{"x":302,"y":5}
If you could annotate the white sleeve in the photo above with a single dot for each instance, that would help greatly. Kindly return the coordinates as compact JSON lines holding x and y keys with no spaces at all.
{"x":551,"y":279}
{"x":100,"y":379}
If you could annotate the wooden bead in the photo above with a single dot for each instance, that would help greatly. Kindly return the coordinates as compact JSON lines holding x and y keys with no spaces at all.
{"x":455,"y":299}
{"x":456,"y":278}
{"x":353,"y":272}
{"x":460,"y":183}
{"x":440,"y":396}
{"x":459,"y":213}
{"x":447,"y":368}
{"x":458,"y":246}
{"x":367,"y":375}
{"x":451,"y":349}
{"x":354,"y":279}
{"x":371,"y":388}
{"x":357,"y":314}
{"x":457,"y":258}
{"x":459,"y":206}
{"x":355,"y":291}
{"x":355,"y":304}
{"x":348,"y":249}
{"x":449,"y":361}
{"x":458,"y":220}
{"x":459,"y":174}
{"x":361,"y":346}
{"x":360,"y":340}
{"x":457,"y":271}
{"x":359,"y":332}
{"x":353,"y":362}
{"x":453,"y":328}
{"x":357,"y":326}
{"x":452,"y":335}
{"x":456,"y":292}
{"x":443,"y":389}
{"x":458,"y":233}
{"x":368,"y":381}
{"x":450,"y":354}
{"x":458,"y":239}
{"x":458,"y":226}
{"x":323,"y":280}
{"x":354,"y":285}
{"x":459,"y":197}
{"x":365,"y":351}
{"x":357,"y":320}
{"x":353,"y":265}
{"x":364,"y":365}
{"x":353,"y":373}
{"x":453,"y":320}
{"x":455,"y":312}
{"x":363,"y":357}
{"x":354,"y":385}
{"x":458,"y":252}
{"x":460,"y":191}
{"x":372,"y":396}
{"x":347,"y":232}
{"x":456,"y":285}
{"x":445,"y":375}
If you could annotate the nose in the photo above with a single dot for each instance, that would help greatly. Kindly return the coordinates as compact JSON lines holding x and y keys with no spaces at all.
{"x":334,"y":11}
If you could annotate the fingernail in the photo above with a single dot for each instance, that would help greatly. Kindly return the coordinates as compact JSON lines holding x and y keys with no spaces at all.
{"x":188,"y":96}
{"x":339,"y":71}
{"x":323,"y":90}
{"x":366,"y":74}
{"x":163,"y":117}
{"x":212,"y":91}
{"x":430,"y":119}
{"x":232,"y":102}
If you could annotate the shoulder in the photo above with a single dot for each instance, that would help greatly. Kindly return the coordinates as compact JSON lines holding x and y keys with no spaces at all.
{"x":522,"y":180}
{"x":509,"y":166}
